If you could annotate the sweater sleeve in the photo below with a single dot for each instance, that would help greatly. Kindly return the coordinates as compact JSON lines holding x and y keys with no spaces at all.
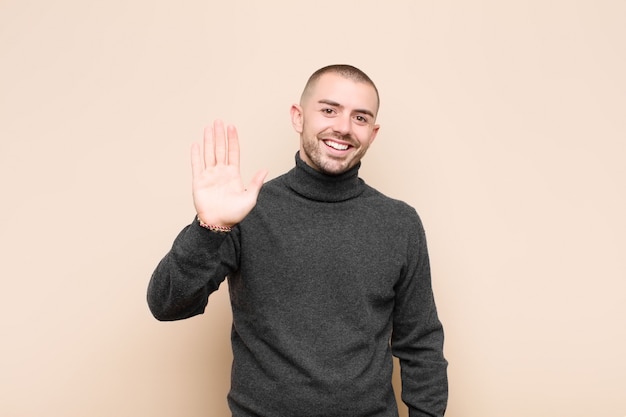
{"x":195,"y":266}
{"x":417,"y":338}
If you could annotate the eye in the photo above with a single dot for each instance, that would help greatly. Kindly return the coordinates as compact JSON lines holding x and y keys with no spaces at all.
{"x":328,"y":111}
{"x":361,"y":119}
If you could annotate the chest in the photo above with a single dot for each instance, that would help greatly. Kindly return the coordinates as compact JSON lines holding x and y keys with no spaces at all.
{"x":332,"y":254}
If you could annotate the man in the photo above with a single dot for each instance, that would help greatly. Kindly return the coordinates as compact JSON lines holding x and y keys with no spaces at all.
{"x":327,"y":277}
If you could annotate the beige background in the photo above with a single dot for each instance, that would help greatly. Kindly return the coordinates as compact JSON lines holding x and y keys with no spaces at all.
{"x":503,"y":123}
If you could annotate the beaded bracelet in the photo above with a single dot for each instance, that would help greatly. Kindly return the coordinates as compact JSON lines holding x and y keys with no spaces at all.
{"x":213,"y":228}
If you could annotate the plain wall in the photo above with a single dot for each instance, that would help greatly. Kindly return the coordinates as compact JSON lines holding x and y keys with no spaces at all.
{"x":503,"y":123}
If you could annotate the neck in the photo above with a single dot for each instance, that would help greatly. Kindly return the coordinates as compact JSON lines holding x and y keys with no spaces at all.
{"x":315,"y":185}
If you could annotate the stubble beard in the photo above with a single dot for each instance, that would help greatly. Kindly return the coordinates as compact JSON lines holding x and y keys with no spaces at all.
{"x":324,"y":163}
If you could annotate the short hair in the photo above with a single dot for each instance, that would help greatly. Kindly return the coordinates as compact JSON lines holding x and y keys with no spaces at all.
{"x":346,"y":71}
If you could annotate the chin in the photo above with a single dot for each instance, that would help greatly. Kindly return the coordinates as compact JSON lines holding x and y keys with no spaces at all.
{"x":334,"y":168}
{"x":323,"y":163}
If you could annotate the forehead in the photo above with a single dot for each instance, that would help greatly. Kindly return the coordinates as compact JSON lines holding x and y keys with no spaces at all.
{"x":344,"y":91}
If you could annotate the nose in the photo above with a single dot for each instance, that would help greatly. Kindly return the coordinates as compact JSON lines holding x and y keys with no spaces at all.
{"x":343,"y":124}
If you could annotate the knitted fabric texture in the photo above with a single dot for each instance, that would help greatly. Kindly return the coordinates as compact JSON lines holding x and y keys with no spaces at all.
{"x":327,"y":278}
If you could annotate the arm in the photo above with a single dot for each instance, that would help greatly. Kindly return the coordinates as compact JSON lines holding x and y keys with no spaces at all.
{"x":195,"y":266}
{"x":417,"y":338}
{"x":200,"y":259}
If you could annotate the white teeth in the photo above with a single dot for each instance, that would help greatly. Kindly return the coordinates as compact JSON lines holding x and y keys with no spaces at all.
{"x":336,"y":145}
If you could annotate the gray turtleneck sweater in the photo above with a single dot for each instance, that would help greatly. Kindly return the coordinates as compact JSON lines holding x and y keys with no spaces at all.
{"x":327,"y":278}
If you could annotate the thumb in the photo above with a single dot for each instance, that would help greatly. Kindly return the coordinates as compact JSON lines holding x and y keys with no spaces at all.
{"x":257,"y":181}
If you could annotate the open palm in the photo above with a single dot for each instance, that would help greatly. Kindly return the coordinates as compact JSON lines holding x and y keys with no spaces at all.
{"x":219,"y":195}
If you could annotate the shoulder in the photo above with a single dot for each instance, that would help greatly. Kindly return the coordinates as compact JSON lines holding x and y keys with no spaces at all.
{"x":398,"y":209}
{"x":273,"y":186}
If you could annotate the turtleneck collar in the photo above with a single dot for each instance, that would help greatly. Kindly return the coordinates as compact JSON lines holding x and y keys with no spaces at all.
{"x":318,"y":186}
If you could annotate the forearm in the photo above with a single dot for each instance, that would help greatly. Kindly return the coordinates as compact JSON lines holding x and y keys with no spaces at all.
{"x":424,"y":371}
{"x":197,"y":263}
{"x":418,"y":336}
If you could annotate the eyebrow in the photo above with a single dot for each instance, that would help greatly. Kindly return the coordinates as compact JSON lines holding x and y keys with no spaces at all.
{"x":335,"y":104}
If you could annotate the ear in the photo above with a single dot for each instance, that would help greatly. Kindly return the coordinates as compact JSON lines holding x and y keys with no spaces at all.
{"x":375,"y":130}
{"x":296,"y":117}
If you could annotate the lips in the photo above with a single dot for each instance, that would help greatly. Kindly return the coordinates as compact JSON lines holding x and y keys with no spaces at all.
{"x":339,"y":146}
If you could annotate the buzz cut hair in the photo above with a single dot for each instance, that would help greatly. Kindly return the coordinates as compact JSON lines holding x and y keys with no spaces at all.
{"x":346,"y":71}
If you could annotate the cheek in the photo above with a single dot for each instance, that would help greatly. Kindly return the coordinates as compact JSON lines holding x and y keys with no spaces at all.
{"x":316,"y":123}
{"x":365,"y":136}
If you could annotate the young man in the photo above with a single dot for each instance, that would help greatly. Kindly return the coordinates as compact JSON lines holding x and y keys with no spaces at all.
{"x":327,"y":277}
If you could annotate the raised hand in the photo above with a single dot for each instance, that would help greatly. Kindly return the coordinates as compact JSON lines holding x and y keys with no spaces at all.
{"x":219,"y":195}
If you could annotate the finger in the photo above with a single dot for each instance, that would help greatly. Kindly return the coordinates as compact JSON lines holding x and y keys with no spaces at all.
{"x":233,"y":146}
{"x":197,"y":165}
{"x":257,"y":182}
{"x":220,"y":142}
{"x":209,"y":147}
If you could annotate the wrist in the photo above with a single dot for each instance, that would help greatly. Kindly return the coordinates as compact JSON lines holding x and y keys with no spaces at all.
{"x":214,"y":227}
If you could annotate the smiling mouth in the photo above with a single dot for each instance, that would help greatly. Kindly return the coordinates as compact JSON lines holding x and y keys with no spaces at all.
{"x":336,"y":145}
